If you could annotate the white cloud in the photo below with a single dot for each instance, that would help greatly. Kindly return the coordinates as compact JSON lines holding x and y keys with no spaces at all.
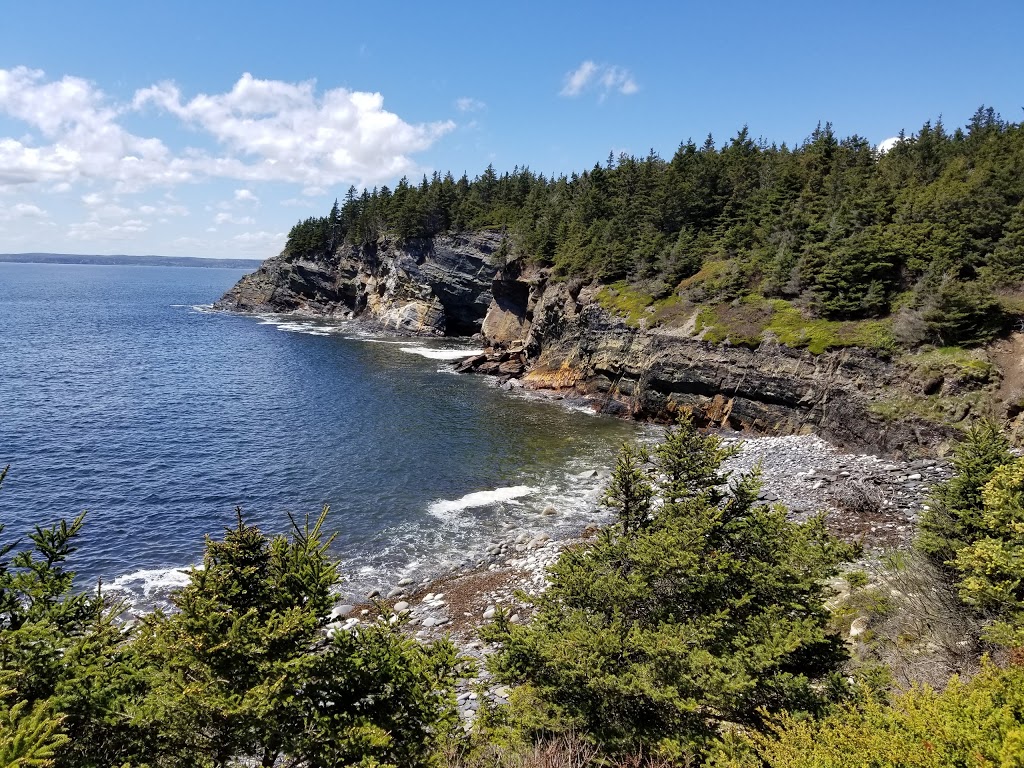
{"x":467,"y":104}
{"x":579,"y":78}
{"x":81,"y":138}
{"x":245,"y":196}
{"x":602,"y":78}
{"x":267,"y":130}
{"x":258,"y":243}
{"x":92,"y":230}
{"x":22,"y":211}
{"x":618,"y":79}
{"x":887,"y":144}
{"x":227,"y":218}
{"x":277,"y":131}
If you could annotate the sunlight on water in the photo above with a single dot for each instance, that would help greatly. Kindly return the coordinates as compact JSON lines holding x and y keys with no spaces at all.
{"x":126,"y":396}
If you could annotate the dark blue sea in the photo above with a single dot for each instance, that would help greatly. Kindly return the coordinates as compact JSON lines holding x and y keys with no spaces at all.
{"x":121,"y":393}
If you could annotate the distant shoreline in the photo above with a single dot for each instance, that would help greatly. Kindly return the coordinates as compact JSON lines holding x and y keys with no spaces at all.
{"x":124,"y":260}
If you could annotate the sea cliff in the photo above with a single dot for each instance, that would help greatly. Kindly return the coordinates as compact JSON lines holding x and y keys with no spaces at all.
{"x":550,"y":334}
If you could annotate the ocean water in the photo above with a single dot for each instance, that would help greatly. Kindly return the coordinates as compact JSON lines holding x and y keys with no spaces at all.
{"x":122,"y":394}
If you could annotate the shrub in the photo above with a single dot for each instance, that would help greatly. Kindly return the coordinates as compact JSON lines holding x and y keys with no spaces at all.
{"x":954,"y":517}
{"x":980,"y":723}
{"x":701,"y":610}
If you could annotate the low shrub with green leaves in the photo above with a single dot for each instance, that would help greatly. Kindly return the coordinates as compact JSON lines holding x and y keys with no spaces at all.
{"x":978,"y":724}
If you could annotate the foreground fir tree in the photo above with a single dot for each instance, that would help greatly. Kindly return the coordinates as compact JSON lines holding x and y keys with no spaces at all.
{"x":246,"y":672}
{"x":700,"y":611}
{"x":69,"y":673}
{"x":28,"y":736}
{"x":955,"y":515}
{"x":992,"y":567}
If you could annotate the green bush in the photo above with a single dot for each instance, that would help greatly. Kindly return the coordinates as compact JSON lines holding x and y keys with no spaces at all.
{"x":974,"y":724}
{"x":700,"y":611}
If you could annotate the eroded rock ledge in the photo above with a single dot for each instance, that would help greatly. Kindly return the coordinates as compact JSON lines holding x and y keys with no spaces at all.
{"x":567,"y":342}
{"x":439,"y":286}
{"x":553,"y":335}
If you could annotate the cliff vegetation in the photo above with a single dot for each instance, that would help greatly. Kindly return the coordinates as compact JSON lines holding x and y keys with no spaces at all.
{"x":925,"y":239}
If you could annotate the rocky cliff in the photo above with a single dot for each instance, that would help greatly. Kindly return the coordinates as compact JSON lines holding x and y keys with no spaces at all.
{"x":553,"y":335}
{"x":435,"y":286}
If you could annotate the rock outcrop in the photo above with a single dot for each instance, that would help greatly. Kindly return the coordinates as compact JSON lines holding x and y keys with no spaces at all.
{"x":553,"y":335}
{"x":433,"y":286}
{"x":556,"y":336}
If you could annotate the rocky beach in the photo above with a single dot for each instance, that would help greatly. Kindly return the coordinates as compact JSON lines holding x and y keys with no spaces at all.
{"x":866,"y":499}
{"x":843,"y":432}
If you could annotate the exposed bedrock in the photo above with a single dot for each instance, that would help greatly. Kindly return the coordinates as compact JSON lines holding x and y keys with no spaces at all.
{"x":432,"y":286}
{"x":569,"y":343}
{"x":554,"y":335}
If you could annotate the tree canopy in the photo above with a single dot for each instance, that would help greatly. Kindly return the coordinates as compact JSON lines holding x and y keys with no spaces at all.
{"x":246,"y":670}
{"x":701,"y":610}
{"x":934,"y":226}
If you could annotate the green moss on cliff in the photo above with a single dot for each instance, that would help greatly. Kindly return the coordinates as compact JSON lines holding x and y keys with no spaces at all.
{"x":940,"y":409}
{"x":749,"y":321}
{"x":791,"y":327}
{"x":634,"y":304}
{"x":966,"y":366}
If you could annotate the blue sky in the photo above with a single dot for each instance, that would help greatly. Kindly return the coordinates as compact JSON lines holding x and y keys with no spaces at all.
{"x":208,"y":129}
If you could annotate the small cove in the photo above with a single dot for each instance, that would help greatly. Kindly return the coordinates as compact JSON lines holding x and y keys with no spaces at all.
{"x":124,"y":396}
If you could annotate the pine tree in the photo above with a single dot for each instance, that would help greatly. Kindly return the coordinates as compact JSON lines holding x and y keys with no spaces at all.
{"x":66,"y":664}
{"x":245,"y":669}
{"x":954,"y":518}
{"x":701,"y":611}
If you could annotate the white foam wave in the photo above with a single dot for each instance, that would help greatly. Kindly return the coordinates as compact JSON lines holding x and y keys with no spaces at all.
{"x":151,"y":580}
{"x":295,"y":327}
{"x":375,"y":341}
{"x":435,"y":353}
{"x":479,"y":499}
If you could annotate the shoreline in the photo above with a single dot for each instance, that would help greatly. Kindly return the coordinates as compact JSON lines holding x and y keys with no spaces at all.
{"x":864,"y":498}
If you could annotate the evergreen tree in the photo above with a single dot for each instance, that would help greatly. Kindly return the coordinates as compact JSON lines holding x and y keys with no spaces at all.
{"x":244,"y":669}
{"x":953,"y":519}
{"x":992,"y":566}
{"x":70,"y":674}
{"x":700,"y":611}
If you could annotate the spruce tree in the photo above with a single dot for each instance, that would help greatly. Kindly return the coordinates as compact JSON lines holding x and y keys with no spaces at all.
{"x":954,"y":518}
{"x":700,"y":611}
{"x":245,"y":669}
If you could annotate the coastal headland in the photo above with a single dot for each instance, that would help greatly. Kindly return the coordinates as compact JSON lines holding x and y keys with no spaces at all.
{"x":571,"y":338}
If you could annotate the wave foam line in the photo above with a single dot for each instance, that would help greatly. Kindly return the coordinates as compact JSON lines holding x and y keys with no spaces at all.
{"x":479,"y":499}
{"x":151,"y":580}
{"x":440,"y":354}
{"x":374,"y":341}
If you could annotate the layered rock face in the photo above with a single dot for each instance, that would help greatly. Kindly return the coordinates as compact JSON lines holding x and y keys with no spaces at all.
{"x":553,"y":335}
{"x":432,"y":287}
{"x":566,"y":341}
